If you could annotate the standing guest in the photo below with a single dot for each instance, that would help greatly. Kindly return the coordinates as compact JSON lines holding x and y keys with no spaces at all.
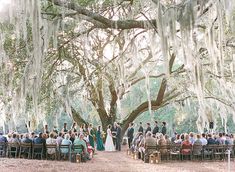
{"x":141,"y":129}
{"x":73,"y":128}
{"x":99,"y":140}
{"x":91,"y":135}
{"x":156,"y":128}
{"x":55,"y":130}
{"x":163,"y":128}
{"x":148,"y":128}
{"x":46,"y":130}
{"x":130,"y":134}
{"x":64,"y":129}
{"x":203,"y":139}
{"x":2,"y":137}
{"x":81,"y":130}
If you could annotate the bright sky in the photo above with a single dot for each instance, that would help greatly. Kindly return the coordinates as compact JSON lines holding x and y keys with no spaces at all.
{"x":3,"y":4}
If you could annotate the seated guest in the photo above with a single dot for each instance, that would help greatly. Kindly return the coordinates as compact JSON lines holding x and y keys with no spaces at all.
{"x":197,"y":147}
{"x":162,"y":142}
{"x":186,"y":146}
{"x":203,"y":139}
{"x":32,"y":136}
{"x":51,"y":141}
{"x":14,"y":139}
{"x":178,"y":139}
{"x":2,"y":137}
{"x":3,"y":149}
{"x":65,"y":141}
{"x":220,"y":140}
{"x":9,"y":137}
{"x":149,"y":141}
{"x":191,"y":138}
{"x":40,"y":140}
{"x":210,"y":140}
{"x":229,"y":140}
{"x":59,"y":138}
{"x":83,"y":151}
{"x":168,"y":141}
{"x":72,"y":137}
{"x":26,"y":139}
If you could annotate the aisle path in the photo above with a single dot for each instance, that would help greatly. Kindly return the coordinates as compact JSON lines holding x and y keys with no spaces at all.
{"x":110,"y":162}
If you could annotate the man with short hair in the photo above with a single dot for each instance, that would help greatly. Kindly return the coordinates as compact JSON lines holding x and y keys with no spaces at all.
{"x":203,"y":139}
{"x":130,"y":134}
{"x":163,"y":128}
{"x":2,"y":137}
{"x":59,"y":138}
{"x":148,"y":128}
{"x":141,"y":129}
{"x":156,"y":128}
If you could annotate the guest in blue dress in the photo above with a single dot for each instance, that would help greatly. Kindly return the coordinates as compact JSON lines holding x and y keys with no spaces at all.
{"x":99,"y":140}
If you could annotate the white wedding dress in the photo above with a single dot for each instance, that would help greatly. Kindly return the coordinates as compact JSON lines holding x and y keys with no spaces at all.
{"x":109,"y":146}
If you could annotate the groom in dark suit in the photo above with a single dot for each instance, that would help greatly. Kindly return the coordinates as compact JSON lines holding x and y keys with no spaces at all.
{"x":130,"y":134}
{"x":118,"y":137}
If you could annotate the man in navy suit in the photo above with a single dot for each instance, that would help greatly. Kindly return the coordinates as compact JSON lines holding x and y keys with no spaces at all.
{"x":118,"y":137}
{"x":130,"y":134}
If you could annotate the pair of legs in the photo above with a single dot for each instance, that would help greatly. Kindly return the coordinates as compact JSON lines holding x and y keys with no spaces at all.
{"x":118,"y":144}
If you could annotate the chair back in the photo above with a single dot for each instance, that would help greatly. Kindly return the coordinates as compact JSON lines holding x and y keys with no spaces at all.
{"x":3,"y":148}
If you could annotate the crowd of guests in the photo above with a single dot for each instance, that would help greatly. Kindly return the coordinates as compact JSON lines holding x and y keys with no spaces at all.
{"x":148,"y":137}
{"x":86,"y":136}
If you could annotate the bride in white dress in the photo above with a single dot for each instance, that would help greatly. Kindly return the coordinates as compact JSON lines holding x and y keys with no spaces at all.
{"x":109,"y":146}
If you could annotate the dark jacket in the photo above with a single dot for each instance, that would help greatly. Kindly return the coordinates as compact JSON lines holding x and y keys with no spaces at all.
{"x":148,"y":129}
{"x":119,"y":131}
{"x":164,"y":130}
{"x":130,"y":132}
{"x":141,"y":129}
{"x":155,"y":130}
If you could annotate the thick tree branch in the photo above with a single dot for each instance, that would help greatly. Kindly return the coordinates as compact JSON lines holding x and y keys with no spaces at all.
{"x":77,"y":117}
{"x":107,"y":23}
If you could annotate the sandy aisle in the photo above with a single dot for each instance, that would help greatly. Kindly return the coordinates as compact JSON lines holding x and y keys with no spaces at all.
{"x":107,"y":162}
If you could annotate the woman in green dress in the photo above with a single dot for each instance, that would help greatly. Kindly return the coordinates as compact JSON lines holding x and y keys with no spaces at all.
{"x":99,"y":140}
{"x":91,"y":135}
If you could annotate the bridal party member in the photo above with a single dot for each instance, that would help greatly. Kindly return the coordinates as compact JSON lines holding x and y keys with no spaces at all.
{"x":109,"y":146}
{"x":91,"y":134}
{"x":99,"y":140}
